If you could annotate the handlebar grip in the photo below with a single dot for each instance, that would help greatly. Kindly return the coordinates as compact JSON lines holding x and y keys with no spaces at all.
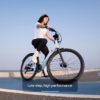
{"x":56,"y":36}
{"x":51,"y":29}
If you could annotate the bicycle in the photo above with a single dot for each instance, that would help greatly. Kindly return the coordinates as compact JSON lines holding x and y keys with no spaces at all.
{"x":64,"y":65}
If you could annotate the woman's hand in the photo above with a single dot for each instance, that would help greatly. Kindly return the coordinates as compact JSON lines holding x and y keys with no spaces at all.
{"x":49,"y":36}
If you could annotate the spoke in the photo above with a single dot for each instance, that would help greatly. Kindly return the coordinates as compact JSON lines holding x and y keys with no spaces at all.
{"x":28,"y":68}
{"x":72,"y":66}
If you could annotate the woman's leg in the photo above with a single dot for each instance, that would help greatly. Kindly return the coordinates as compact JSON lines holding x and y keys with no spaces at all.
{"x":42,"y":47}
{"x":35,"y":43}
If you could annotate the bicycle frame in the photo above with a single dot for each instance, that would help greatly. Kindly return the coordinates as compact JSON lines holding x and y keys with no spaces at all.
{"x":40,"y":66}
{"x":56,"y":46}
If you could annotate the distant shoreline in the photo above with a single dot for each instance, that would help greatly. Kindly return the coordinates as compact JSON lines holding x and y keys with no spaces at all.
{"x":86,"y":70}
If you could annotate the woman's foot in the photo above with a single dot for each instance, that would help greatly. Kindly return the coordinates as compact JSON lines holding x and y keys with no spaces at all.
{"x":34,"y":58}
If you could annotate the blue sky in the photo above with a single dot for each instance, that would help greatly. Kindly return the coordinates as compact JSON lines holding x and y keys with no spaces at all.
{"x":77,"y":20}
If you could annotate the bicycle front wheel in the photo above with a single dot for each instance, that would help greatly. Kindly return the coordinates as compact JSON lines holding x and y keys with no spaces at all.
{"x":68,"y":71}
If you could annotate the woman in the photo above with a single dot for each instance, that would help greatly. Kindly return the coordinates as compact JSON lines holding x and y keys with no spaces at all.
{"x":40,"y":37}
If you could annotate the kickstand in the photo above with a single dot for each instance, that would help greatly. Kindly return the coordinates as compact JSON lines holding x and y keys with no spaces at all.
{"x":44,"y":75}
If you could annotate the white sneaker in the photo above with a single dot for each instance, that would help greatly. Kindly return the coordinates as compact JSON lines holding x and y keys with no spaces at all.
{"x":34,"y":59}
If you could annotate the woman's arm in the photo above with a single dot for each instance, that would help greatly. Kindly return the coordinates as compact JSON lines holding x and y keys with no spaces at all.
{"x":40,"y":25}
{"x":50,"y":37}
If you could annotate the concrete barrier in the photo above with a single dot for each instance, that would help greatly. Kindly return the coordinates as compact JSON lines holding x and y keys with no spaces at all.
{"x":21,"y":95}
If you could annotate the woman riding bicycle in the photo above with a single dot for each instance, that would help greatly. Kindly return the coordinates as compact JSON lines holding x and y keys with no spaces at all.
{"x":40,"y":39}
{"x":41,"y":35}
{"x":63,"y":65}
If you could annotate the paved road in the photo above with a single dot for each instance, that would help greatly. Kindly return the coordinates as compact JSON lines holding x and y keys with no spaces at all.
{"x":46,"y":85}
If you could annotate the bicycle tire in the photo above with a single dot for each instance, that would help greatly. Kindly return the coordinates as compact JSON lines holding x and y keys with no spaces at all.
{"x":67,"y":80}
{"x":21,"y":70}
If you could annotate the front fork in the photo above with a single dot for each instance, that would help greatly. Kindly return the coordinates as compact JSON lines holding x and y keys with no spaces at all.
{"x":63,"y":64}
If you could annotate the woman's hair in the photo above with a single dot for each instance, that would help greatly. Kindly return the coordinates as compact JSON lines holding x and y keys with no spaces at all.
{"x":42,"y":17}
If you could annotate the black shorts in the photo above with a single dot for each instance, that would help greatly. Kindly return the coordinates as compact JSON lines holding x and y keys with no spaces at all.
{"x":40,"y":45}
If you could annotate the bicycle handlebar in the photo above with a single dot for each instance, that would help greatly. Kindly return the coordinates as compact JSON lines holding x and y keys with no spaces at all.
{"x":57,"y":35}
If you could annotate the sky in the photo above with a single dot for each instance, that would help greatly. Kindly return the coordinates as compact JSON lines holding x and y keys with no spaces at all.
{"x":78,"y":21}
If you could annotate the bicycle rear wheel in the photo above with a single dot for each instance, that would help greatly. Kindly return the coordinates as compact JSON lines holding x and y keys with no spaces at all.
{"x":28,"y":69}
{"x":66,"y":72}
